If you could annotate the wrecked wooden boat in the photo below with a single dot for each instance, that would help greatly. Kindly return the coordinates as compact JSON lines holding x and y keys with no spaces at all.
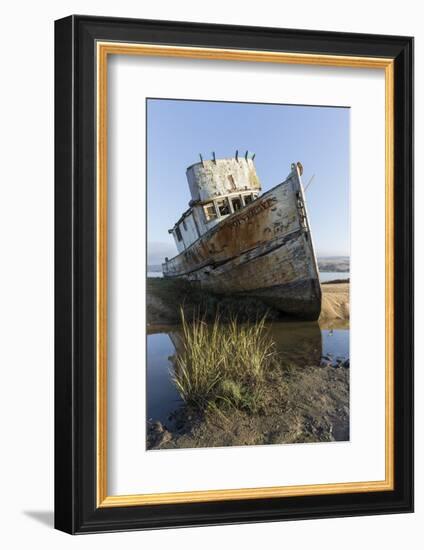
{"x":234,"y":240}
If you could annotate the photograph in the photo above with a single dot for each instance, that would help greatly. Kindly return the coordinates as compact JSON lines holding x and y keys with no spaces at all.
{"x":247,"y":273}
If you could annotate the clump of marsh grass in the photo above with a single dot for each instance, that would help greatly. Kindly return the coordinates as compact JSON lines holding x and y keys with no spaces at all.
{"x":223,"y":365}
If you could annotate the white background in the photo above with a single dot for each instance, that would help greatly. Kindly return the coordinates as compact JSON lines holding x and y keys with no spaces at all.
{"x":132,"y":469}
{"x":26,"y":289}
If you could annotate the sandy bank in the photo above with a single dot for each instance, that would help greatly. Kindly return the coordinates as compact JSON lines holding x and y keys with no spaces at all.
{"x":335,"y":302}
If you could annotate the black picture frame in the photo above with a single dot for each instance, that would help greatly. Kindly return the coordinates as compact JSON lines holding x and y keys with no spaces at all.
{"x":76,"y":510}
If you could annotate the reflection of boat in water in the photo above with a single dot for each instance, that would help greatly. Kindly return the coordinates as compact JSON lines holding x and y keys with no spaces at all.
{"x":234,"y":240}
{"x":298,"y":344}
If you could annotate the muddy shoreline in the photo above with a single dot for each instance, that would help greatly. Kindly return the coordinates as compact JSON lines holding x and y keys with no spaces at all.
{"x":307,"y":402}
{"x":166,"y":296}
{"x":307,"y":405}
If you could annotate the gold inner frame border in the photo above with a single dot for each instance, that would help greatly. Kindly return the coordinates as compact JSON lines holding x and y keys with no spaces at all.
{"x":103,"y":50}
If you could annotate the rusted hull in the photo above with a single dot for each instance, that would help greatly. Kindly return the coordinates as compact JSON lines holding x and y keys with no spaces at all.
{"x":265,"y":251}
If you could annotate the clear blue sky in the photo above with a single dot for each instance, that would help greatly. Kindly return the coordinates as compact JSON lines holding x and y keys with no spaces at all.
{"x":318,"y":137}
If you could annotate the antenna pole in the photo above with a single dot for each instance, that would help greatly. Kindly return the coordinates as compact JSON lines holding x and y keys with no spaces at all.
{"x":309,"y":182}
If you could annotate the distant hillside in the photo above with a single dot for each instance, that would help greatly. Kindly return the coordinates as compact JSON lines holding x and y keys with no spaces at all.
{"x":337,"y":264}
{"x":154,"y":268}
{"x":340,"y":264}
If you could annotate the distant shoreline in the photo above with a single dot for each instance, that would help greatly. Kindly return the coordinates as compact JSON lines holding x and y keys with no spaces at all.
{"x":335,"y":264}
{"x":326,"y":278}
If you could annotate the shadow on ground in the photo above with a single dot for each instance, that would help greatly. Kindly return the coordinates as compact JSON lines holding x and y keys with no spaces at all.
{"x":46,"y":517}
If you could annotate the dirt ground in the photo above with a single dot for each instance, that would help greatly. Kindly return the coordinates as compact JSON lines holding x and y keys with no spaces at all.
{"x":309,"y":404}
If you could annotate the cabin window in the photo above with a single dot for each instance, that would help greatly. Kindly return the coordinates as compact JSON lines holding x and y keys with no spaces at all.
{"x":248,"y":199}
{"x":236,"y":202}
{"x":223,"y":207}
{"x":210,"y":212}
{"x":184,"y":225}
{"x":178,"y":234}
{"x":232,"y":182}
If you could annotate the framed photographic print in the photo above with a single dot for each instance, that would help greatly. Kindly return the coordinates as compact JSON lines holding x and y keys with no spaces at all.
{"x":233,"y":266}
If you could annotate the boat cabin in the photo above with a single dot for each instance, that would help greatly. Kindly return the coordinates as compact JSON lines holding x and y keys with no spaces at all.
{"x":218,"y":188}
